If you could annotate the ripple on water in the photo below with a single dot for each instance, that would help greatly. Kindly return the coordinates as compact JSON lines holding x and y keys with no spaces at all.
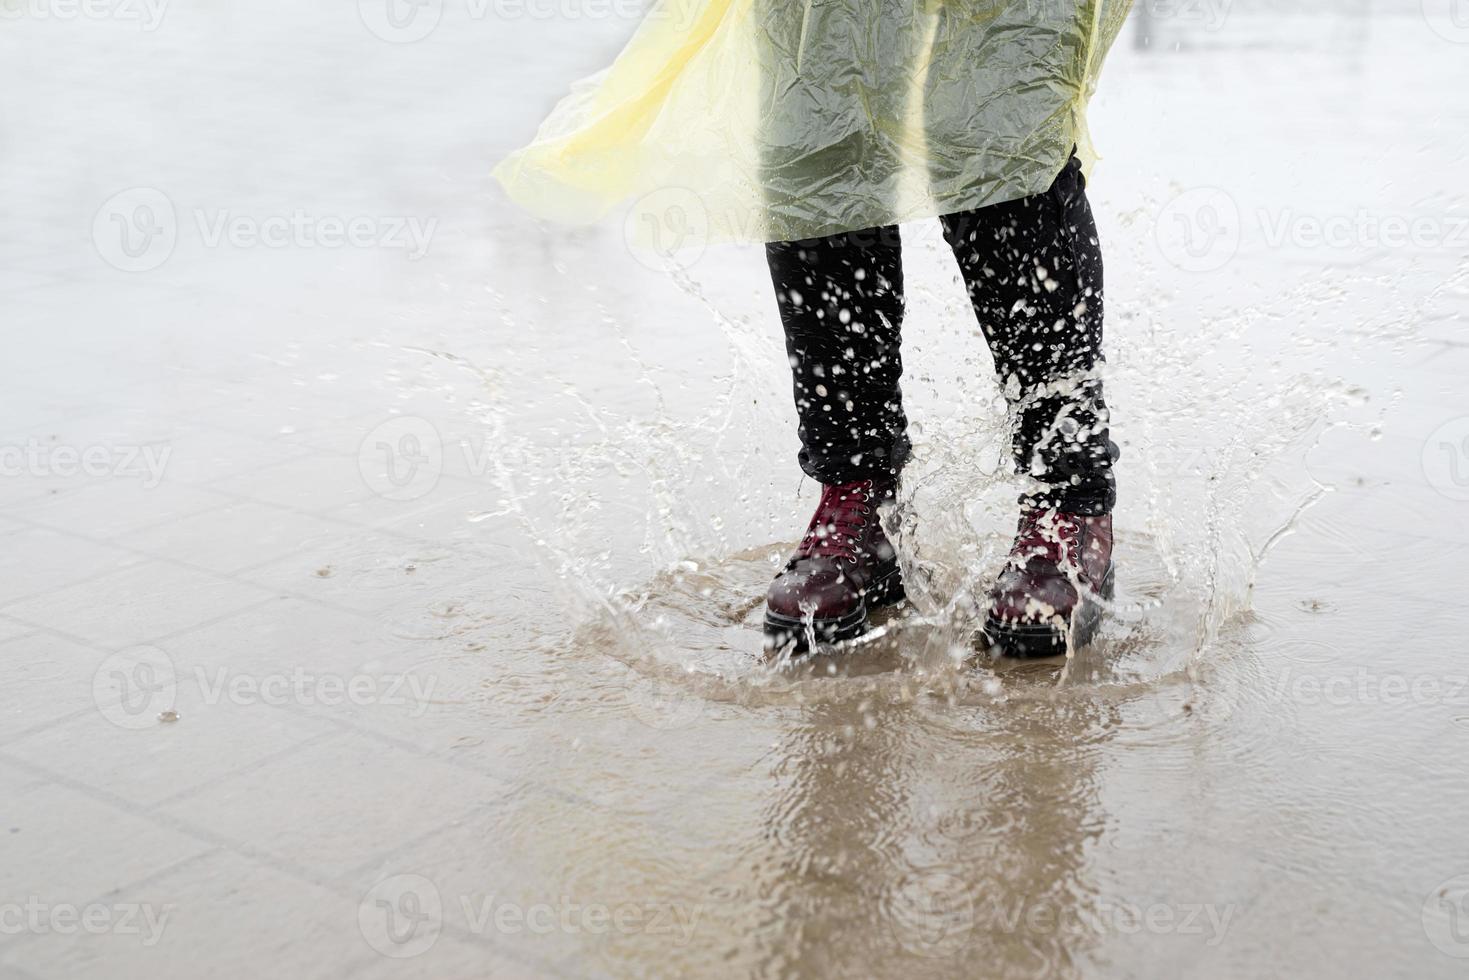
{"x":694,"y":632}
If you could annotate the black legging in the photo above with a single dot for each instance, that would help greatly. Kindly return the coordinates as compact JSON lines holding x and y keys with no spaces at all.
{"x":1034,"y":272}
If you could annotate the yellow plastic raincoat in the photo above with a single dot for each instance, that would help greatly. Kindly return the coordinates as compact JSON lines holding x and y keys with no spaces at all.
{"x":771,"y":120}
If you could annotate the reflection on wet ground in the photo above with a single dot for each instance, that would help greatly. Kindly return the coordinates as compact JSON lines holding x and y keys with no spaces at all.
{"x":428,"y":642}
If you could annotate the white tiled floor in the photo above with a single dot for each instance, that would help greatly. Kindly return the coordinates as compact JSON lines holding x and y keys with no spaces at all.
{"x":105,"y":511}
{"x":45,"y":669}
{"x":257,"y":533}
{"x":197,"y":900}
{"x":277,"y":807}
{"x":148,"y":600}
{"x":39,"y":560}
{"x":148,"y":768}
{"x":80,"y":844}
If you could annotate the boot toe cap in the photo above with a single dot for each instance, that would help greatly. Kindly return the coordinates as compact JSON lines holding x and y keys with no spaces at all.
{"x":1026,"y":599}
{"x":822,"y":592}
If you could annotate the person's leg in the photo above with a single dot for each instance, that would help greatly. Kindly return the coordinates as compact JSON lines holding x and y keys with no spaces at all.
{"x":1034,"y":273}
{"x":1033,"y":268}
{"x":841,"y":303}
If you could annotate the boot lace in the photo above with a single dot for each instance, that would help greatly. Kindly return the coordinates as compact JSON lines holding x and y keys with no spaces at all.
{"x":1052,"y":535}
{"x":841,"y":517}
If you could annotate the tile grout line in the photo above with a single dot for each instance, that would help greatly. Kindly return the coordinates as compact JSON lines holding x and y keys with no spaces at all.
{"x":335,"y":884}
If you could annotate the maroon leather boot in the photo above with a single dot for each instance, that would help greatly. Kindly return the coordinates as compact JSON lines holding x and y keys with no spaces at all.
{"x":1059,"y":565}
{"x":844,"y":567}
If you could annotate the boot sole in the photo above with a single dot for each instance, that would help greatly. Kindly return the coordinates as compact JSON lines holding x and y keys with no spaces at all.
{"x":781,"y":630}
{"x":1037,"y":640}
